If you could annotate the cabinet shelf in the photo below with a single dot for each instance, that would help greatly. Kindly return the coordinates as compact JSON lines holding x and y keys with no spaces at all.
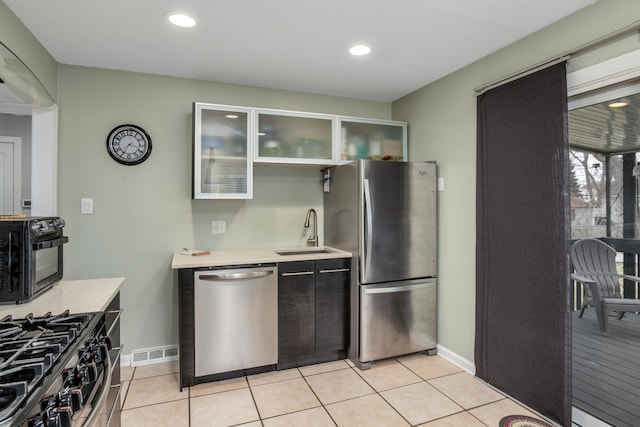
{"x":238,"y":159}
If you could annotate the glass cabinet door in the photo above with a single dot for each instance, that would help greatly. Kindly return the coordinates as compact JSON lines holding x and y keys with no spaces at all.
{"x":222,"y":167}
{"x":372,"y":139}
{"x":294,"y":137}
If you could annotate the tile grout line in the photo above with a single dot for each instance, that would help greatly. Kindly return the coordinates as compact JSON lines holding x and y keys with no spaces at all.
{"x":322,"y":405}
{"x":382,"y":397}
{"x":253,"y":398}
{"x":442,"y":393}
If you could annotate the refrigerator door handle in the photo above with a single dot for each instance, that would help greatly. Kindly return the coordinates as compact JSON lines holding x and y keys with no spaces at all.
{"x":402,"y":288}
{"x":368,"y":237}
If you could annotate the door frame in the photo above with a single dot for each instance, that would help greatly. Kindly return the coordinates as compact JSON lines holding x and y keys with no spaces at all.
{"x":606,"y":73}
{"x":17,"y":170}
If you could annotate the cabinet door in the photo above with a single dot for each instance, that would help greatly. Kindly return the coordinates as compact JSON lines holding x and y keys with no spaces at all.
{"x":296,"y":309}
{"x":294,"y":137}
{"x":222,"y":156}
{"x":332,"y":304}
{"x":374,"y":139}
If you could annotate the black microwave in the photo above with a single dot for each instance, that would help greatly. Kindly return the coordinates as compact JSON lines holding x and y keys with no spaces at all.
{"x":31,"y":254}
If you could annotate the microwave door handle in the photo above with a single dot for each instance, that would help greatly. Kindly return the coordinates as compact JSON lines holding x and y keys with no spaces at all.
{"x":51,"y":243}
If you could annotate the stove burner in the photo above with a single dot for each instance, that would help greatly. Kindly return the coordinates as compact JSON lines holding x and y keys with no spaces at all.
{"x":11,"y":396}
{"x":30,"y":374}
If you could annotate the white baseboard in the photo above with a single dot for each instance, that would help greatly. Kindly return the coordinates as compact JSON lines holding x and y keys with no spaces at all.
{"x":125,"y":360}
{"x":456,"y":359}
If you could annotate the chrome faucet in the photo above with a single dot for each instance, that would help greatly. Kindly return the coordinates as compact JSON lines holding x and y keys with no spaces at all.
{"x":313,"y":239}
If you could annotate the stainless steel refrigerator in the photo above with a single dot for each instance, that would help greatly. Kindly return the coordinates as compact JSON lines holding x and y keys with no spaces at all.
{"x":384,"y":212}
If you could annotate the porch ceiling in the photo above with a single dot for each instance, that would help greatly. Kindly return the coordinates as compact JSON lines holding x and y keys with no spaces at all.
{"x":603,"y":129}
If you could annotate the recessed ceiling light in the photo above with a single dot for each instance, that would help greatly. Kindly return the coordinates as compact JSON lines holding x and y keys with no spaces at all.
{"x":231,"y":116}
{"x":360,"y":50}
{"x":181,"y":20}
{"x":618,"y":104}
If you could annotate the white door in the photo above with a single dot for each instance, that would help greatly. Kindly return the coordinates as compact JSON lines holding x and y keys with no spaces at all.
{"x":10,"y":175}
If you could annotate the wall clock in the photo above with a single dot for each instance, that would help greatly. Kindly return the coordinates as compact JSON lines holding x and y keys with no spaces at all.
{"x":129,"y":144}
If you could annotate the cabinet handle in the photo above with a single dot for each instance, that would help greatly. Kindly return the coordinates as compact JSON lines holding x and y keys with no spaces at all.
{"x":335,"y":270}
{"x":116,"y":403}
{"x":102,"y":397}
{"x":115,"y":321}
{"x":117,"y":358}
{"x":299,"y":273}
{"x":235,"y":276}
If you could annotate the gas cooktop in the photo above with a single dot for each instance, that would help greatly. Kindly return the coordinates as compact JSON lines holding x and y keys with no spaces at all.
{"x":46,"y":364}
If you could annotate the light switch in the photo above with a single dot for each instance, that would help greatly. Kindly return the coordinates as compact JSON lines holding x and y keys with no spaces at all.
{"x":86,"y":206}
{"x":440,"y":184}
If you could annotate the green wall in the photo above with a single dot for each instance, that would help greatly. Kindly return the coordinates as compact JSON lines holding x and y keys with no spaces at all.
{"x":442,"y":127}
{"x":142,"y":214}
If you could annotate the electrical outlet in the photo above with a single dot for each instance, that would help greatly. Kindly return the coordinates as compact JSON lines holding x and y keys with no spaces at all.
{"x":218,"y":227}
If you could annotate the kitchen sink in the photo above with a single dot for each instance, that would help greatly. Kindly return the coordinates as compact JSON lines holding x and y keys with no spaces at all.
{"x":303,"y":252}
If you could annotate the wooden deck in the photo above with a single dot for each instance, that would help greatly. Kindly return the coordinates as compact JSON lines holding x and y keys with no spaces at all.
{"x":606,"y":369}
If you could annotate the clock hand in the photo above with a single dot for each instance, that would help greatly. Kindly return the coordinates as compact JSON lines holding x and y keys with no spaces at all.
{"x":126,"y":147}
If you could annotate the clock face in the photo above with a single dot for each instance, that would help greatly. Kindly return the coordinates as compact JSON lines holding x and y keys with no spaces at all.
{"x":129,"y":144}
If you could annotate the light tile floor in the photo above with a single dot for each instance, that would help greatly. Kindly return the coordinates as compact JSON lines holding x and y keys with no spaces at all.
{"x":415,"y":390}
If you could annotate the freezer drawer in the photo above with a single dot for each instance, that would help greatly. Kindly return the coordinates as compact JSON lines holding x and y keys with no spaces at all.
{"x":236,"y":319}
{"x":397,"y":319}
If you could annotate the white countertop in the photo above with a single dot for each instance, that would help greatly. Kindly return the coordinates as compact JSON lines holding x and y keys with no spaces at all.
{"x":252,"y":256}
{"x":77,"y":296}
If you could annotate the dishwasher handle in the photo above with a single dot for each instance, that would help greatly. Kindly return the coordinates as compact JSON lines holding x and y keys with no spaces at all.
{"x":235,"y":276}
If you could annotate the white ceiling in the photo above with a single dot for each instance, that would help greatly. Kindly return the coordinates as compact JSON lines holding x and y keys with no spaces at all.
{"x":298,"y":45}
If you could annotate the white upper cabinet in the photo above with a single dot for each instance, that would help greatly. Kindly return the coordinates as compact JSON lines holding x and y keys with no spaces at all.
{"x":294,"y":137}
{"x":228,"y":139}
{"x":371,"y":139}
{"x":222,"y":152}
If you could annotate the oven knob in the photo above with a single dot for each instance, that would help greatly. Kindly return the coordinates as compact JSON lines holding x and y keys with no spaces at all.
{"x":95,"y":352}
{"x":104,"y":348}
{"x":59,"y":417}
{"x":80,"y":375}
{"x":106,"y":339}
{"x":71,"y":398}
{"x":89,"y":372}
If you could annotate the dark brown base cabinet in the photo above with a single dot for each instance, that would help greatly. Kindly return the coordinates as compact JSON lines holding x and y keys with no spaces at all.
{"x":313,"y":311}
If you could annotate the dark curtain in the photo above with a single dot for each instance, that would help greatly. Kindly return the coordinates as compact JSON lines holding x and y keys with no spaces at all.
{"x":523,"y":333}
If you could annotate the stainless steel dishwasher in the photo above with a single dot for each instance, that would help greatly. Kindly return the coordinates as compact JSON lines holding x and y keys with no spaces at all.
{"x":236,"y":319}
